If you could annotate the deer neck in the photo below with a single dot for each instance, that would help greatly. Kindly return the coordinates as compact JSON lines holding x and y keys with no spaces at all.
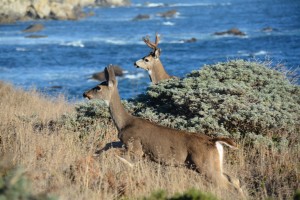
{"x":158,"y":72}
{"x":118,"y":114}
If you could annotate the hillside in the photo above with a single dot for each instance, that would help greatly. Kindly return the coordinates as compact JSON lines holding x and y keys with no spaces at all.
{"x":57,"y":144}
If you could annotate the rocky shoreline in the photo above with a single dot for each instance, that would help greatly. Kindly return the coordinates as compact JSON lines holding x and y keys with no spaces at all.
{"x":22,"y":10}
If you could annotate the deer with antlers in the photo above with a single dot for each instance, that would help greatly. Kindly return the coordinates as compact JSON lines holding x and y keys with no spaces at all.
{"x":152,"y":63}
{"x":161,"y":144}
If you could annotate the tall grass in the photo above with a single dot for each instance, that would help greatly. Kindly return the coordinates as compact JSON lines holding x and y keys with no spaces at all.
{"x":51,"y":140}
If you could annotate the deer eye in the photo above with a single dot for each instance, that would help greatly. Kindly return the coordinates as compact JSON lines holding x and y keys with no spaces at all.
{"x":146,"y":60}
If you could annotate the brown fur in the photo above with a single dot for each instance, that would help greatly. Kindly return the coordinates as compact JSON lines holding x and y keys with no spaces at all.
{"x":162,"y":144}
{"x":152,"y":63}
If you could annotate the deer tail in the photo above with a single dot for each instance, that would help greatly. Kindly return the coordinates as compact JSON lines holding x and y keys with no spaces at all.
{"x":228,"y":142}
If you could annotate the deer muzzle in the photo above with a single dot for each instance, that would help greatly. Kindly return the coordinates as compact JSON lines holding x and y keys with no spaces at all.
{"x":137,"y":63}
{"x":87,"y":95}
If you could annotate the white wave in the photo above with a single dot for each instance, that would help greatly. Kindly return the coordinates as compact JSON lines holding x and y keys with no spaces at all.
{"x":261,"y":52}
{"x":243,"y":53}
{"x":114,"y":41}
{"x":176,"y":42}
{"x":153,"y":5}
{"x":231,"y":36}
{"x":258,"y":53}
{"x":168,"y":23}
{"x":198,"y":4}
{"x":134,"y":76}
{"x":117,"y":40}
{"x":90,"y":79}
{"x":21,"y":49}
{"x":73,"y":43}
{"x":190,"y":4}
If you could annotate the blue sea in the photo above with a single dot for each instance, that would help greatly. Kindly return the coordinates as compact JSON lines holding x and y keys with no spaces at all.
{"x":62,"y":62}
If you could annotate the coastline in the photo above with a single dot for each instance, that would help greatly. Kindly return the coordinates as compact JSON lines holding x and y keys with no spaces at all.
{"x":12,"y":11}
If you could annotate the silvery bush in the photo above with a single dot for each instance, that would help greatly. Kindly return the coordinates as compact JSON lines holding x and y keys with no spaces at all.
{"x":238,"y":99}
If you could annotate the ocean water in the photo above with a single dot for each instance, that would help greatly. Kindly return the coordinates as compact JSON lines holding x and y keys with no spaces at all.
{"x":73,"y":50}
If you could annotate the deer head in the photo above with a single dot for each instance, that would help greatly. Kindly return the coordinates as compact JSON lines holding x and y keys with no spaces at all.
{"x":148,"y":62}
{"x":105,"y":89}
{"x":151,"y":62}
{"x":108,"y":91}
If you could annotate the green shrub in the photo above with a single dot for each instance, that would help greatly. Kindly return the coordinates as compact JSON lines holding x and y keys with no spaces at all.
{"x":297,"y":195}
{"x":236,"y":98}
{"x":14,"y":186}
{"x":91,"y":116}
{"x":191,"y":194}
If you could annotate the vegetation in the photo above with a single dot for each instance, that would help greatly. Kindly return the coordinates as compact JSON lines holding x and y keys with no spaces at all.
{"x":14,"y":185}
{"x":92,"y":116}
{"x":55,"y":141}
{"x":237,"y":99}
{"x":191,"y":194}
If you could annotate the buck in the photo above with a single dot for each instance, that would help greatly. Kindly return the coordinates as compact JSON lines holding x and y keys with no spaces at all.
{"x":164,"y":145}
{"x":152,"y":63}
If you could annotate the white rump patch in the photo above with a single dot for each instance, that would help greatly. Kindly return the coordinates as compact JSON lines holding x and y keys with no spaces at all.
{"x":221,"y":152}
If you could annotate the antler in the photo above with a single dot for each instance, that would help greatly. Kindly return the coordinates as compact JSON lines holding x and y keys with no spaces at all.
{"x":151,"y":44}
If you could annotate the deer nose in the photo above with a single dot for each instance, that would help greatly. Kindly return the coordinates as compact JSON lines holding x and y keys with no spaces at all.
{"x":136,"y":65}
{"x":85,"y":95}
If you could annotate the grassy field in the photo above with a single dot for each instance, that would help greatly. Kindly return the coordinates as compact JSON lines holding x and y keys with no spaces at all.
{"x":58,"y":160}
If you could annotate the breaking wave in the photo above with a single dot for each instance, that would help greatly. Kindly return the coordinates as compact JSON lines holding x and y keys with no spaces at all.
{"x":73,"y":44}
{"x":134,"y":76}
{"x":154,"y":5}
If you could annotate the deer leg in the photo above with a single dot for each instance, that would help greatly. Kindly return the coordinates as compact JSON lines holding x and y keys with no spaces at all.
{"x":110,"y":145}
{"x":235,"y":183}
{"x":212,"y":171}
{"x":134,"y":150}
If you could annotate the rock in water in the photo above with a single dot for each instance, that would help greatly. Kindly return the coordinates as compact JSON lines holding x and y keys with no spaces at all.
{"x":36,"y":36}
{"x":168,"y":14}
{"x":233,"y":31}
{"x":34,"y":28}
{"x":191,"y":40}
{"x":141,"y":17}
{"x":101,"y":77}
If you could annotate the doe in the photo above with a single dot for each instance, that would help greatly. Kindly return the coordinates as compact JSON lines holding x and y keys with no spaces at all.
{"x":164,"y":145}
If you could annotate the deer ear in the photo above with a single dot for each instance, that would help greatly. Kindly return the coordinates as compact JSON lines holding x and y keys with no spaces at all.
{"x":110,"y":76}
{"x":157,"y":53}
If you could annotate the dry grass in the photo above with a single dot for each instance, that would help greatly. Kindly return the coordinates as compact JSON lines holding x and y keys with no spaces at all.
{"x":58,"y":162}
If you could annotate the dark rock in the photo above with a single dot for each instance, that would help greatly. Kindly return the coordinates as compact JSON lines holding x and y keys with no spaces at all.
{"x":168,"y":14}
{"x":190,"y":40}
{"x":34,"y":28}
{"x":268,"y":29}
{"x":5,"y":19}
{"x":233,"y":31}
{"x":31,"y":12}
{"x":101,"y":77}
{"x":36,"y":36}
{"x":141,"y":17}
{"x":56,"y":87}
